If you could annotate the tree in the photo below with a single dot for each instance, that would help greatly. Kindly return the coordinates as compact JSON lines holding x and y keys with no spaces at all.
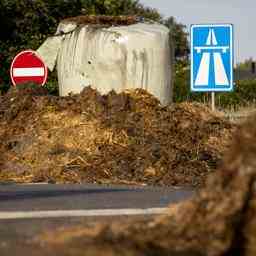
{"x":179,"y":38}
{"x":121,"y":7}
{"x":28,"y":23}
{"x":245,"y":65}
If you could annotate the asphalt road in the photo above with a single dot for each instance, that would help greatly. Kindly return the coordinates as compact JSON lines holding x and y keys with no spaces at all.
{"x":29,"y":210}
{"x":14,"y":198}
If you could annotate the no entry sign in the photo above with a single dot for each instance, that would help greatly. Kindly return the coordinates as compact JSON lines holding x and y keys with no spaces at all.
{"x":28,"y":67}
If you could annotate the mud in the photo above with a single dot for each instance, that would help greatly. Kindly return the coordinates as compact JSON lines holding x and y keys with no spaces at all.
{"x":219,"y":221}
{"x":126,"y":138}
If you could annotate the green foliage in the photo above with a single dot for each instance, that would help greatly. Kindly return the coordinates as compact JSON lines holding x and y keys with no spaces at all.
{"x":244,"y":94}
{"x":27,"y":23}
{"x":245,"y":65}
{"x":52,"y":83}
{"x":244,"y":91}
{"x":28,"y":85}
{"x":182,"y":90}
{"x":179,"y":38}
{"x":123,"y":7}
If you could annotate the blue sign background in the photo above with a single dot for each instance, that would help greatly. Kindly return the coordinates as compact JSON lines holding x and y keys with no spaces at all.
{"x":221,"y":37}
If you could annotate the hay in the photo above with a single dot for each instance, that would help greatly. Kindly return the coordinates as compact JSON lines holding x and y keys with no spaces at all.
{"x":103,"y":20}
{"x":126,"y":138}
{"x":219,"y":221}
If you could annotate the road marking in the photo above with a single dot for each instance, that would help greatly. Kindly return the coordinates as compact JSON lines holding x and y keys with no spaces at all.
{"x":24,"y":72}
{"x":32,"y":184}
{"x":220,"y":73}
{"x":79,"y":213}
{"x":202,"y":77}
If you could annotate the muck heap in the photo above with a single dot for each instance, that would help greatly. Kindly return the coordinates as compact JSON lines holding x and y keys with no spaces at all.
{"x":219,"y":221}
{"x":118,"y":138}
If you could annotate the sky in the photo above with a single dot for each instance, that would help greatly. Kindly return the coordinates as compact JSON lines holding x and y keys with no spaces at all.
{"x":241,"y":13}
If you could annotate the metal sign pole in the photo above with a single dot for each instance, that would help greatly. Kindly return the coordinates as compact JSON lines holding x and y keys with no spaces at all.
{"x":213,"y":101}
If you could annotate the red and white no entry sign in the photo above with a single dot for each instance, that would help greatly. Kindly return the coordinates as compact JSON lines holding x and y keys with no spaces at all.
{"x":28,"y":67}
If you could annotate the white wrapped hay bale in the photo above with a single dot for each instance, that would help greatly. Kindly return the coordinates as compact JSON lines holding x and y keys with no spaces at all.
{"x":111,"y":58}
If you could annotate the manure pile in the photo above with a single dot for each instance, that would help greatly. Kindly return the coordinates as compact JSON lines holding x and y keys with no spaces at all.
{"x":126,"y":138}
{"x":103,"y":20}
{"x":219,"y":221}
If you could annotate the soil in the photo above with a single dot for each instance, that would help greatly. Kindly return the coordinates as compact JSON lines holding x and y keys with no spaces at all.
{"x":126,"y":138}
{"x":219,"y":221}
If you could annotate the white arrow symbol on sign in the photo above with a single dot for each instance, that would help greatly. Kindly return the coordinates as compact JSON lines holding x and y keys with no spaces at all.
{"x":202,"y":78}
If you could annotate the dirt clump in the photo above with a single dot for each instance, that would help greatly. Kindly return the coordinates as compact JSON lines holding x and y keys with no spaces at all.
{"x":219,"y":221}
{"x":126,"y":138}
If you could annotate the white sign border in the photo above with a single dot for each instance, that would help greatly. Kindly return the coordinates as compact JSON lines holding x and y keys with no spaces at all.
{"x":231,"y":87}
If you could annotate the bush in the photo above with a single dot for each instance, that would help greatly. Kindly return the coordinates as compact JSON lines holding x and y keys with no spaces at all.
{"x":182,"y":90}
{"x":27,"y":23}
{"x":244,"y":91}
{"x":244,"y":94}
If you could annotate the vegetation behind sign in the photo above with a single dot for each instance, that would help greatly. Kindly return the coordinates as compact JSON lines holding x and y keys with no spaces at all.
{"x":28,"y":23}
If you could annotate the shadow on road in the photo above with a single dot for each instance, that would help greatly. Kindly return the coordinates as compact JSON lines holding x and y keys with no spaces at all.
{"x":21,"y":195}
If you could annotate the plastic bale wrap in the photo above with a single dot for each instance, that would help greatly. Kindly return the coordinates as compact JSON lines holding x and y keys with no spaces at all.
{"x":116,"y":57}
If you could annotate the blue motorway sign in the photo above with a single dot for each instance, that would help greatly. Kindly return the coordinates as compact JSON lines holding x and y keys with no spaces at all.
{"x":212,"y":58}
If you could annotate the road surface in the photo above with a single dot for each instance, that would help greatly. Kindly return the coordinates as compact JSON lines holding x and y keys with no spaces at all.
{"x":28,"y":210}
{"x":42,"y":198}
